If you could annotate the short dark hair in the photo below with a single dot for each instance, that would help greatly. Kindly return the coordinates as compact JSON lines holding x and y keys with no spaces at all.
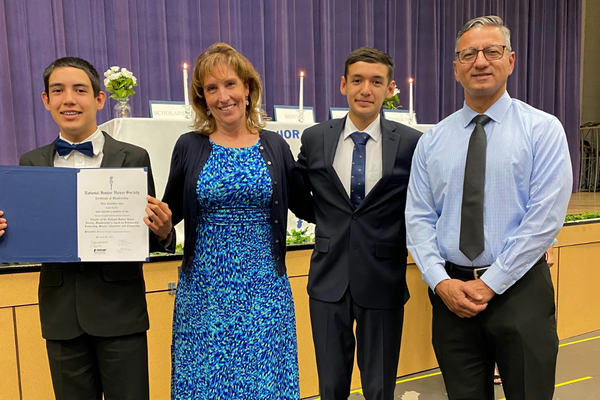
{"x":74,"y":62}
{"x":370,"y":55}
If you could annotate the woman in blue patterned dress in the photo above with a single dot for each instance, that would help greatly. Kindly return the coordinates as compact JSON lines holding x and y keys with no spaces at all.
{"x":234,"y":333}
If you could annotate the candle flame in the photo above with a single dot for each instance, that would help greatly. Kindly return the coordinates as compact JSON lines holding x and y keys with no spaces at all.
{"x":184,"y":65}
{"x":301,"y":73}
{"x":410,"y":80}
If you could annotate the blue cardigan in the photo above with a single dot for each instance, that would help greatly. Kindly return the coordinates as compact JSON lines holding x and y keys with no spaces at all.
{"x":189,"y":156}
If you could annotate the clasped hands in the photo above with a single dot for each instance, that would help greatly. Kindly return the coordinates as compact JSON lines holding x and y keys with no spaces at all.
{"x":465,"y":299}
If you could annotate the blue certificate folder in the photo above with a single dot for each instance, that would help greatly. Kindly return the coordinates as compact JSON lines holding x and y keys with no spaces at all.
{"x":40,"y":207}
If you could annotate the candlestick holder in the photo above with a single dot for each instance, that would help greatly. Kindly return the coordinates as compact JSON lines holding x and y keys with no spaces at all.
{"x":411,"y":118}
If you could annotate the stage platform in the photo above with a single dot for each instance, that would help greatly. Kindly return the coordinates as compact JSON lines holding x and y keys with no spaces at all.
{"x":584,"y":202}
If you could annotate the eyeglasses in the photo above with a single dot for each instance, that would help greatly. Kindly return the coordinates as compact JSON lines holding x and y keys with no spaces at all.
{"x":492,"y":52}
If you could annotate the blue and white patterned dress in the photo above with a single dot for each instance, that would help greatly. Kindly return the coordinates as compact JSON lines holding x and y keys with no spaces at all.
{"x":234,"y":331}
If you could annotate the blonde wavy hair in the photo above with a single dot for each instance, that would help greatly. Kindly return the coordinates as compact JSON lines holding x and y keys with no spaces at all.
{"x":222,"y":53}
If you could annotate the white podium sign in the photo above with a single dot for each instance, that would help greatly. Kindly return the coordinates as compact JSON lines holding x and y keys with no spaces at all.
{"x":287,"y":114}
{"x":337,"y":112}
{"x":401,"y":116}
{"x":170,"y":110}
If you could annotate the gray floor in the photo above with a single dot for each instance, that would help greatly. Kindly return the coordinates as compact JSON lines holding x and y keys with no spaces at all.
{"x":577,"y":375}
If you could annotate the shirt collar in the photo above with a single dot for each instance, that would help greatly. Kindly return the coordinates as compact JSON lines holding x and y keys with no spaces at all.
{"x":97,"y":140}
{"x":496,"y":112}
{"x":373,"y":130}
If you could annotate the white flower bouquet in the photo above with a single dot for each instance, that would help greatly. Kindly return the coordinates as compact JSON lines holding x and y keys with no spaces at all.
{"x":389,"y":103}
{"x":119,"y":83}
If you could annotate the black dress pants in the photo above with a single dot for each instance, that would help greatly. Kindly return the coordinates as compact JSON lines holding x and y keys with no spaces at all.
{"x":378,"y":335}
{"x":517,"y":330}
{"x":86,"y":367}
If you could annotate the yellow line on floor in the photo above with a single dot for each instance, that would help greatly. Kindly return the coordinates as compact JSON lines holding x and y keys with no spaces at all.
{"x":418,"y":377}
{"x":573,"y":381}
{"x":567,"y":383}
{"x":579,"y":341}
{"x":352,"y":391}
{"x":439,"y":373}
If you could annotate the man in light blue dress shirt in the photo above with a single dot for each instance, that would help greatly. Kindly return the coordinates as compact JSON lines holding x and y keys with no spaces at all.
{"x":504,"y":313}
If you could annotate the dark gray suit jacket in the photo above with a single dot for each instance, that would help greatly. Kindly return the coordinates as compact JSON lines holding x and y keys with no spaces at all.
{"x":362,"y":248}
{"x":101,"y":299}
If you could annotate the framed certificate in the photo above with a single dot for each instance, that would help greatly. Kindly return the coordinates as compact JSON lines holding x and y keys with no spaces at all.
{"x":71,"y":215}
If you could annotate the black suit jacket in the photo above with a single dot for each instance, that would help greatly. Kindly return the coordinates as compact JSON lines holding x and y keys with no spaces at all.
{"x":101,"y":299}
{"x":362,"y":248}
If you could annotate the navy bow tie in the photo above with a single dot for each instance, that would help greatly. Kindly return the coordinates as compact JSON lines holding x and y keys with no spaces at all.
{"x":63,"y":148}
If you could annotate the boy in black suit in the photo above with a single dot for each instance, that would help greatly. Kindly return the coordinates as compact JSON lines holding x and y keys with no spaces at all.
{"x":93,"y":315}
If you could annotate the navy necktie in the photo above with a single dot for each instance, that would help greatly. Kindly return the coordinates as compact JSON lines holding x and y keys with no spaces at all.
{"x":357,"y":181}
{"x":471,"y":222}
{"x":63,"y":148}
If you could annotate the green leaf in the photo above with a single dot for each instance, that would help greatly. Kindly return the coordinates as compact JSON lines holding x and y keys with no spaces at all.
{"x":582,"y":216}
{"x":299,"y":237}
{"x":390,"y":103}
{"x":121,"y":92}
{"x":121,"y":88}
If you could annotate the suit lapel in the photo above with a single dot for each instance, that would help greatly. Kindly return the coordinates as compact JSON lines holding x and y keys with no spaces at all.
{"x":330,"y":141}
{"x":114,"y":156}
{"x":389,"y":147}
{"x":46,"y":156}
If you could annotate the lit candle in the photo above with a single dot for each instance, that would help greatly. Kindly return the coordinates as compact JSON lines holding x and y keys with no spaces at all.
{"x":186,"y":96}
{"x":410,"y":95}
{"x":301,"y":90}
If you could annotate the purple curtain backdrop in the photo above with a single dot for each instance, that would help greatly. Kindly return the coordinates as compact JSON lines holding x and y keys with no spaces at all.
{"x":154,"y":38}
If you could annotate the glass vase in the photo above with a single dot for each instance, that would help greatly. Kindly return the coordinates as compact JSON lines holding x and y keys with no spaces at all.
{"x":122,"y":109}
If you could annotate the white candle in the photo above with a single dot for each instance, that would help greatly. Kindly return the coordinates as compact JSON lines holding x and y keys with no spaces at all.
{"x":186,"y":96}
{"x":410,"y":95}
{"x":301,"y":102}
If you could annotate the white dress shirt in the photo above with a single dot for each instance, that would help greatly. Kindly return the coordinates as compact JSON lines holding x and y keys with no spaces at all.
{"x":77,"y":160}
{"x":342,"y":161}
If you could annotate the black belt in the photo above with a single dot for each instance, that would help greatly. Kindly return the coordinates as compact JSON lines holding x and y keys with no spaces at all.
{"x":471,"y":273}
{"x":465,"y":273}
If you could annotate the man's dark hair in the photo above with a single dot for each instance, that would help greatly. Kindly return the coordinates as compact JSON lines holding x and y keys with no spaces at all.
{"x":74,"y":62}
{"x":370,"y":55}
